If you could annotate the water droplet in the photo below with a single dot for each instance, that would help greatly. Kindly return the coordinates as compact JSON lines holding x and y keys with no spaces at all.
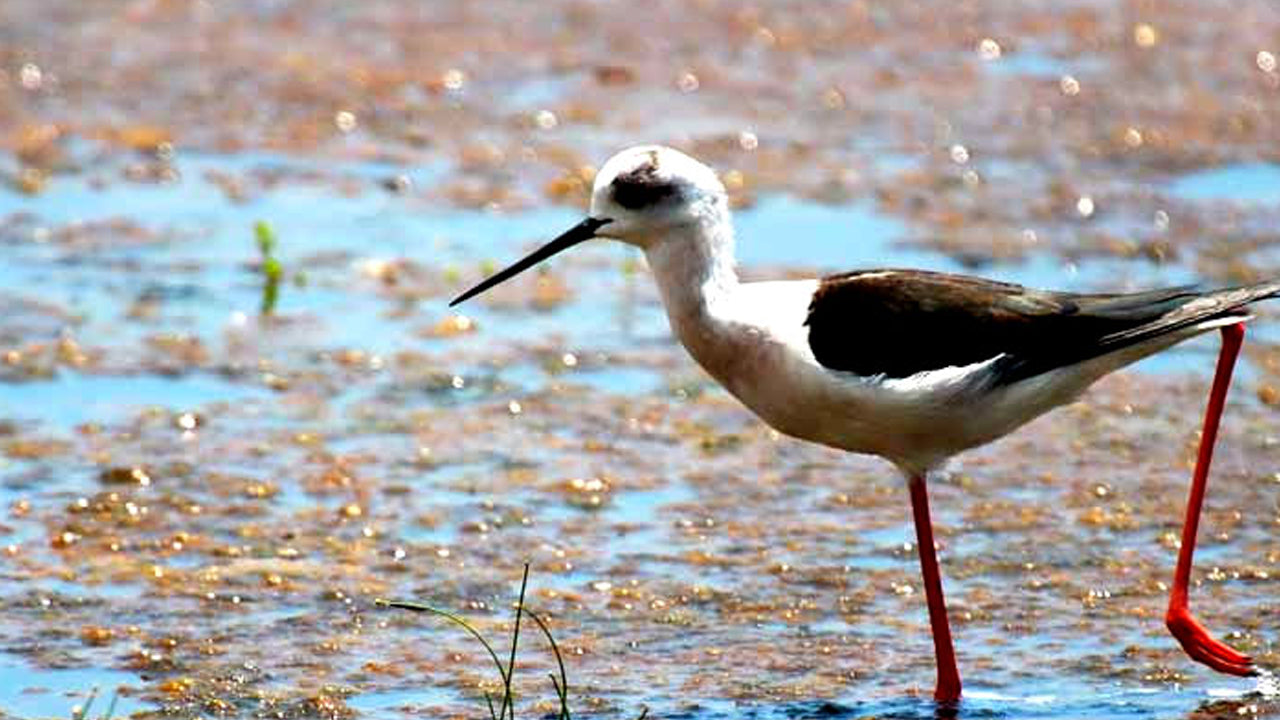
{"x":1145,"y":36}
{"x":989,"y":49}
{"x":31,"y":76}
{"x":453,"y":79}
{"x":545,"y":120}
{"x":345,"y":120}
{"x":1266,"y":61}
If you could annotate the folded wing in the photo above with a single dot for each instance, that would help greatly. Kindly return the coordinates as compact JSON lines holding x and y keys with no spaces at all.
{"x":897,"y":323}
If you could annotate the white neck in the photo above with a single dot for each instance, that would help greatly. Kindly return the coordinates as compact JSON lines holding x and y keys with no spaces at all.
{"x":693,"y":266}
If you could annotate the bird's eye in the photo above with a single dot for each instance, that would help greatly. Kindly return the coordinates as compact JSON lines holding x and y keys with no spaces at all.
{"x":642,"y":188}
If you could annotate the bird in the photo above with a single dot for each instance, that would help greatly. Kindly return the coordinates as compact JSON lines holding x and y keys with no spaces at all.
{"x":909,"y":365}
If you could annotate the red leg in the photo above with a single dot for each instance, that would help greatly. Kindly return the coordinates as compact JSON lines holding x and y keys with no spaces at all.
{"x":1195,"y":639}
{"x":948,"y":687}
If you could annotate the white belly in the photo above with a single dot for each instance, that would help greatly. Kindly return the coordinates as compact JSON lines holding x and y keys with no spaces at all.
{"x":916,"y":429}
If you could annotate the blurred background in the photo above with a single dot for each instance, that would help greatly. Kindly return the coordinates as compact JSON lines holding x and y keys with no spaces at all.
{"x":235,"y":409}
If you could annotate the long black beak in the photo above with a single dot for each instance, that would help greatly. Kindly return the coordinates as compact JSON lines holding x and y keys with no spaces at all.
{"x":581,"y":232}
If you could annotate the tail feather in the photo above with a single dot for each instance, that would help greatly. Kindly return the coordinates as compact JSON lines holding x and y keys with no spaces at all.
{"x":1226,"y":305}
{"x":1149,"y":323}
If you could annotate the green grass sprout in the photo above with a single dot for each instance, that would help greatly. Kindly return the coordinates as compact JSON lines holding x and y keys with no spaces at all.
{"x":506,"y":708}
{"x":272,"y":270}
{"x":81,"y":712}
{"x":456,"y":620}
{"x":111,"y":706}
{"x":507,"y":701}
{"x":561,"y":686}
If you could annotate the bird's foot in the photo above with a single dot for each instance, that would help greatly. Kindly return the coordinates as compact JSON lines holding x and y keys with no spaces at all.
{"x":1203,"y":647}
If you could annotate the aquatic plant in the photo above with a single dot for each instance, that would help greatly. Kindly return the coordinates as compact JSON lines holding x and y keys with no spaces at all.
{"x":506,"y":708}
{"x":272,"y":270}
{"x":81,"y":712}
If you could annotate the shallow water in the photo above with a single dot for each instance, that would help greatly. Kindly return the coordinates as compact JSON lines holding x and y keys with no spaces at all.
{"x":203,"y":504}
{"x":643,"y":530}
{"x":1255,"y":182}
{"x":44,"y":692}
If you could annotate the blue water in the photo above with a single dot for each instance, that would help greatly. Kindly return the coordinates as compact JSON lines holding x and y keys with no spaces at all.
{"x":1113,"y":702}
{"x":784,"y":231}
{"x":32,"y":692}
{"x":215,"y":234}
{"x":1032,"y":62}
{"x":1247,"y":182}
{"x":71,"y":398}
{"x":401,"y":703}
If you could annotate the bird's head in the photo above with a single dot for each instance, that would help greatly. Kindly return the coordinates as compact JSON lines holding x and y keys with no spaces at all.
{"x":649,"y":191}
{"x":644,"y":196}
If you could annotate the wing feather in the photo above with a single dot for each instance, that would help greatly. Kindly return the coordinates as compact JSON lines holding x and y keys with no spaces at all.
{"x":897,"y":323}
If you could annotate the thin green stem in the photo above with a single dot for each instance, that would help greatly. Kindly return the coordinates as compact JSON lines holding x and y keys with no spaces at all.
{"x":508,"y":702}
{"x":419,"y":607}
{"x":111,"y":706}
{"x":83,"y":711}
{"x":562,"y":687}
{"x":506,"y":710}
{"x":564,"y":700}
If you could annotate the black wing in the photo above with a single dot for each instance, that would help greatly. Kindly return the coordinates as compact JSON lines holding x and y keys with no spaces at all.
{"x":897,"y":323}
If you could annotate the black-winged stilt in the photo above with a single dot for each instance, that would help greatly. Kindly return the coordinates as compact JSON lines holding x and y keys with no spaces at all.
{"x":909,"y":365}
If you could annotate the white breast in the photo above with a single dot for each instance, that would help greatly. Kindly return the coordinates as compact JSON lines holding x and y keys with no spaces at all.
{"x":754,"y":341}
